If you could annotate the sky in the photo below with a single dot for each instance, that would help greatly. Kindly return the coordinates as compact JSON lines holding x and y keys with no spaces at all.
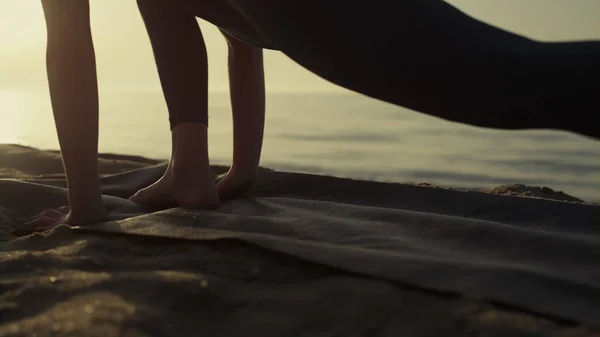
{"x":125,"y":60}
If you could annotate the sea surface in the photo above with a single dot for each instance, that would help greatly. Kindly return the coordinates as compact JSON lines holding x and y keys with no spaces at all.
{"x":345,"y":135}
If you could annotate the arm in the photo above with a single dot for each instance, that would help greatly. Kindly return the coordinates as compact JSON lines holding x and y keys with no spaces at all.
{"x":247,"y":86}
{"x":71,"y":68}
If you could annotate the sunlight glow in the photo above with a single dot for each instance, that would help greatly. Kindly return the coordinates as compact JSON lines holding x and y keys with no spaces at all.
{"x":21,"y":24}
{"x":11,"y":103}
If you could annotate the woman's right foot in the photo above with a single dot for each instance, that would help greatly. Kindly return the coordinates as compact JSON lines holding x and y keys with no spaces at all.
{"x":180,"y":188}
{"x":188,"y":181}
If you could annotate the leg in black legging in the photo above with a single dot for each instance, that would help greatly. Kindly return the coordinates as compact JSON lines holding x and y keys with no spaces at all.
{"x":428,"y":56}
{"x":180,"y":56}
{"x":183,"y":69}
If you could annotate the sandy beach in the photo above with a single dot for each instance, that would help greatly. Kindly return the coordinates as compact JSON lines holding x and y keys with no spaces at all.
{"x":303,"y":255}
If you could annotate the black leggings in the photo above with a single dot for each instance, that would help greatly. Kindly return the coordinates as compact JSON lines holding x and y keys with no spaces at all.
{"x":424,"y":55}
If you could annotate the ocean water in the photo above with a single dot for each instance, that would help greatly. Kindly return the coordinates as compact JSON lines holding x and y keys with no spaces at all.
{"x":344,"y":135}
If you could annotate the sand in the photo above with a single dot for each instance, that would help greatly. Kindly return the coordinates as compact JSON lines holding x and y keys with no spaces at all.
{"x":196,"y":273}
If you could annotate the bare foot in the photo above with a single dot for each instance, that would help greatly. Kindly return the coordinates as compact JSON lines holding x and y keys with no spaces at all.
{"x":180,"y":188}
{"x":188,"y":181}
{"x":235,"y":184}
{"x":63,"y":215}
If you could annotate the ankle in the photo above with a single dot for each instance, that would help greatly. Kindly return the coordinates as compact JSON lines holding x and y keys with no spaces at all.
{"x":91,"y":209}
{"x":187,"y":167}
{"x":190,"y":139}
{"x":244,"y":172}
{"x":190,"y":149}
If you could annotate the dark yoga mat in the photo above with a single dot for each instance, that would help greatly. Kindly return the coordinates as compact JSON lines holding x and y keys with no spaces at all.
{"x":536,"y":255}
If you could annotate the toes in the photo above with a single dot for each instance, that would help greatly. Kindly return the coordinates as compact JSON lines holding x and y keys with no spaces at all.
{"x":220,"y":177}
{"x":41,"y":223}
{"x":138,"y":197}
{"x":46,"y":221}
{"x":157,"y":199}
{"x":54,"y":214}
{"x":65,"y":209}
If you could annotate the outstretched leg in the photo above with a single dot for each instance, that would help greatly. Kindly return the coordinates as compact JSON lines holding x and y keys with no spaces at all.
{"x":428,"y":56}
{"x":181,"y":59}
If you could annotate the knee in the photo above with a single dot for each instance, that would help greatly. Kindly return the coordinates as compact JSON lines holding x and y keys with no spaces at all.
{"x":158,"y":12}
{"x":163,"y":11}
{"x":142,"y":4}
{"x":146,"y":6}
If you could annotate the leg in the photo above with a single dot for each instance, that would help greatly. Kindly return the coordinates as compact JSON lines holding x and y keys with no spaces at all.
{"x":181,"y":59}
{"x":428,"y":56}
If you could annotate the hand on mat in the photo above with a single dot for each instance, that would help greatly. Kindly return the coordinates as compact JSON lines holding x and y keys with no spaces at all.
{"x":53,"y":217}
{"x":234,"y":184}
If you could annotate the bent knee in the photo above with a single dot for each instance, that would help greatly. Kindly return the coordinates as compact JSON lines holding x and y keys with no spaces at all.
{"x":156,"y":6}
